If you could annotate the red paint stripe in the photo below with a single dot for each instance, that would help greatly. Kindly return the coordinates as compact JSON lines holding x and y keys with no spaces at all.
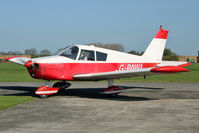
{"x":45,"y":89}
{"x":28,"y":64}
{"x":169,"y":69}
{"x":161,"y":34}
{"x":185,"y":65}
{"x":9,"y":58}
{"x":113,"y":88}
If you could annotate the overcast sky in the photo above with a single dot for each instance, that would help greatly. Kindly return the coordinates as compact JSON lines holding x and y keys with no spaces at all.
{"x":54,"y":24}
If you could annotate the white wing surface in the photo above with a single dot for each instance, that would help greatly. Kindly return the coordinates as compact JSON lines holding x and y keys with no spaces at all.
{"x":113,"y":74}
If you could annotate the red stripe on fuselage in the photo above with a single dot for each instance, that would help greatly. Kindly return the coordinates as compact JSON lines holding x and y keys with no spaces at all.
{"x":65,"y":71}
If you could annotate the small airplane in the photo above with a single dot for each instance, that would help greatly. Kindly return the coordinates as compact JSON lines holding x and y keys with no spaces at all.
{"x":90,"y":63}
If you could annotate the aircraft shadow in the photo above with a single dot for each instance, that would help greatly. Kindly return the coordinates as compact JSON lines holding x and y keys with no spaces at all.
{"x":26,"y":90}
{"x":94,"y":93}
{"x":136,"y":87}
{"x":97,"y":93}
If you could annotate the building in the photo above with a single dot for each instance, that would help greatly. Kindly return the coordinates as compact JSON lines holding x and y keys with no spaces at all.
{"x":192,"y":59}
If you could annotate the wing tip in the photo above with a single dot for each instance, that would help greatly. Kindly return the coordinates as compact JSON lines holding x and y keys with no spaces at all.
{"x":9,"y":58}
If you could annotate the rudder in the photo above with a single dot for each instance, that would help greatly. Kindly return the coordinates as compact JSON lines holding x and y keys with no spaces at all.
{"x":156,"y":48}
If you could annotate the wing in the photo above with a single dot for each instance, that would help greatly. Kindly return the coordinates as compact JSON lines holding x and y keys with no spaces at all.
{"x":113,"y":74}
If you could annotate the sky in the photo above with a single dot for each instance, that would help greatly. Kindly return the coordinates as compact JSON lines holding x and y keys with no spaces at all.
{"x":54,"y":24}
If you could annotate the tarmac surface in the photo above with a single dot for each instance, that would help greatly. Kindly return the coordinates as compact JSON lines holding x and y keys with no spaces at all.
{"x":141,"y":108}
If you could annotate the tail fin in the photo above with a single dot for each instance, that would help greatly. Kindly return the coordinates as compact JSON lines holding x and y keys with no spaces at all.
{"x":156,"y":47}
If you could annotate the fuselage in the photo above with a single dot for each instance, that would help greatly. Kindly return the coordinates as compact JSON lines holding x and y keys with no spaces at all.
{"x":63,"y":67}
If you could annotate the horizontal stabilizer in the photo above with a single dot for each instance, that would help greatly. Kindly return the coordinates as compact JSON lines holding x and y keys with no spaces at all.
{"x":174,"y":63}
{"x":169,"y":69}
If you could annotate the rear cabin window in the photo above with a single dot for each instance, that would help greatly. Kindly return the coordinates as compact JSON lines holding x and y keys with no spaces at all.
{"x":87,"y":55}
{"x":101,"y":56}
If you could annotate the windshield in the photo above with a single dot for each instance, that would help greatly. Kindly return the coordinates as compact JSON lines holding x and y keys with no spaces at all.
{"x":60,"y":50}
{"x":70,"y":52}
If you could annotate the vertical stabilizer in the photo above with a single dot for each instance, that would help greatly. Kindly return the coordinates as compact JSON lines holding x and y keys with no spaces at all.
{"x":156,"y":48}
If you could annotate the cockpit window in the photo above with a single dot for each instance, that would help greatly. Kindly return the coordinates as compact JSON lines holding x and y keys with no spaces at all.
{"x":87,"y":55}
{"x":101,"y":56}
{"x":71,"y":52}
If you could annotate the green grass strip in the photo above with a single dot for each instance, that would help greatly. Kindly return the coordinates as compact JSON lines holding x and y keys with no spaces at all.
{"x":15,"y":73}
{"x":9,"y":101}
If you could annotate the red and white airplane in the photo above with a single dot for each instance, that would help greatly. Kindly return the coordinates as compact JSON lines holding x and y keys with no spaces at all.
{"x":90,"y":63}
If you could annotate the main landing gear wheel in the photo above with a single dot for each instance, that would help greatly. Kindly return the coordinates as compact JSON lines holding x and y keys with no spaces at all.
{"x":61,"y":86}
{"x":112,"y":91}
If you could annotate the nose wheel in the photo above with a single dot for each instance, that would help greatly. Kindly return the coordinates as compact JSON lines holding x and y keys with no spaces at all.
{"x":58,"y":87}
{"x":43,"y":96}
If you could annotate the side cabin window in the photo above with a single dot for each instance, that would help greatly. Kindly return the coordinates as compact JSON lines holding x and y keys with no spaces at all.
{"x":101,"y":56}
{"x":71,"y":52}
{"x":87,"y":55}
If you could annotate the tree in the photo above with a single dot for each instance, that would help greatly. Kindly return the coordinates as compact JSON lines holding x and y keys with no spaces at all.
{"x":2,"y":53}
{"x":134,"y":52}
{"x":169,"y":55}
{"x":45,"y":52}
{"x":59,"y":50}
{"x":32,"y":51}
{"x":168,"y":52}
{"x":112,"y":46}
{"x":14,"y":52}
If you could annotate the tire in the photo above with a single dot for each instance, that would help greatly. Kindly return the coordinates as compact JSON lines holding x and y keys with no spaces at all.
{"x":43,"y":96}
{"x":61,"y":85}
{"x":57,"y":85}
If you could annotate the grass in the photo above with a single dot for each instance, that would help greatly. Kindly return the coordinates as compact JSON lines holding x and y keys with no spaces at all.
{"x":9,"y":101}
{"x":18,"y":73}
{"x":14,"y":73}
